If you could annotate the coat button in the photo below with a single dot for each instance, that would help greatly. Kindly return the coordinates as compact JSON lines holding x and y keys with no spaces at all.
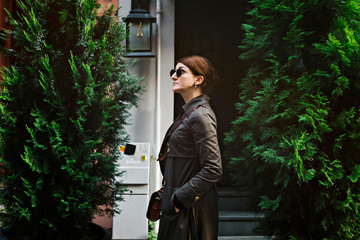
{"x":197,"y":198}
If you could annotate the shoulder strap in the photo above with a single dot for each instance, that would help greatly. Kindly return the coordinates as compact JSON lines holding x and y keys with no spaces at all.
{"x":164,"y":146}
{"x":196,"y":107}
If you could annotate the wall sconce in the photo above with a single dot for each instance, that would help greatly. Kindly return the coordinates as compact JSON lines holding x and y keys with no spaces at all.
{"x":139,"y":30}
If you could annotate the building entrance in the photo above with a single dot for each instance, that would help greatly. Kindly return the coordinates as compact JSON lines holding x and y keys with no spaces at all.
{"x":213,"y":29}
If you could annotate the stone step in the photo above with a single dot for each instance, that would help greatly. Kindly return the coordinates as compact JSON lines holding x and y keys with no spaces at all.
{"x":232,"y":191}
{"x":243,"y":238}
{"x":238,"y":223}
{"x":240,"y":216}
{"x":233,"y":199}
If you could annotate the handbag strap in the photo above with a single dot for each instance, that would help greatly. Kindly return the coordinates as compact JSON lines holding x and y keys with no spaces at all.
{"x":163,"y":150}
{"x":173,"y":130}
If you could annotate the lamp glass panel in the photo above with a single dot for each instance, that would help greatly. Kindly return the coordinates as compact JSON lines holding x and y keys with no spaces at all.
{"x":139,"y":36}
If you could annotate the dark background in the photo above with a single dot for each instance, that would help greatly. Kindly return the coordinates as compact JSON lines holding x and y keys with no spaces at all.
{"x":213,"y":29}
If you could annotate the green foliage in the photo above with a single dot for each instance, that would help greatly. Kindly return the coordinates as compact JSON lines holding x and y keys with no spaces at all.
{"x":296,"y":140}
{"x":64,"y":103}
{"x":151,"y":231}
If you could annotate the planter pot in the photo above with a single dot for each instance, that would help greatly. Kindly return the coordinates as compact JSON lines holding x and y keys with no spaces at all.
{"x":2,"y":237}
{"x":98,"y":231}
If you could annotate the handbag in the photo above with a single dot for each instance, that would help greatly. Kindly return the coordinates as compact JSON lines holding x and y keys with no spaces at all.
{"x":154,"y":208}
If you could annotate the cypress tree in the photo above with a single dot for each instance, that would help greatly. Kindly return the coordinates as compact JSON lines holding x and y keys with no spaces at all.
{"x":296,"y":140}
{"x":65,"y":100}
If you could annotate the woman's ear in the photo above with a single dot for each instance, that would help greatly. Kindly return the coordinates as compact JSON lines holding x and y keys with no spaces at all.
{"x":199,"y":80}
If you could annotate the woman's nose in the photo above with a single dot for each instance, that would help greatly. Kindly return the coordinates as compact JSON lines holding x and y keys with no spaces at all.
{"x":174,"y":77}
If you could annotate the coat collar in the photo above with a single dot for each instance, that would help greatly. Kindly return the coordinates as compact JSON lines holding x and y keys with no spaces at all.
{"x":199,"y":100}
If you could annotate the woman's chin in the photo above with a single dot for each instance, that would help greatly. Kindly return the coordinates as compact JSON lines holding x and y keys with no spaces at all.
{"x":175,"y":89}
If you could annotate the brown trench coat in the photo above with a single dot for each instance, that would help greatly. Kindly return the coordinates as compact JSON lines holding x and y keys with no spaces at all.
{"x":190,"y":171}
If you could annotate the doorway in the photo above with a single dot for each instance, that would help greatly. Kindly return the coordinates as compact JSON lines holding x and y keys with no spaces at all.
{"x":213,"y":29}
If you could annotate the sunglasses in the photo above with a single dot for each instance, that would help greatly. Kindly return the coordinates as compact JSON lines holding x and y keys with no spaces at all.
{"x":178,"y":72}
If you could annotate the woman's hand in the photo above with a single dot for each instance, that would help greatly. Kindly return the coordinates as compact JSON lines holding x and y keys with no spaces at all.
{"x":177,"y":210}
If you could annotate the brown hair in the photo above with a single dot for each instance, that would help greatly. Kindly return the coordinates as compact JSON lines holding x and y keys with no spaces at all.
{"x":201,"y":66}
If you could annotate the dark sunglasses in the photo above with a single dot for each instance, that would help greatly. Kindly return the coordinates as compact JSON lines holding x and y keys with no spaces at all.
{"x":178,"y":72}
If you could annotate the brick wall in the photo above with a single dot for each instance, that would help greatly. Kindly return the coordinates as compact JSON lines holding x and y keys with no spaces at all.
{"x":4,"y":23}
{"x":105,"y":3}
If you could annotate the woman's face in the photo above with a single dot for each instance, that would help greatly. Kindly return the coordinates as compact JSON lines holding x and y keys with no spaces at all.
{"x":185,"y":82}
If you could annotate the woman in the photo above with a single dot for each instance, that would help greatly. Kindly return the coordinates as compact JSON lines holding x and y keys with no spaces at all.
{"x":190,"y":158}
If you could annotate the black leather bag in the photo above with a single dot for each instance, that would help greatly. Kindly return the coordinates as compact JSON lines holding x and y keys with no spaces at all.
{"x":154,"y":208}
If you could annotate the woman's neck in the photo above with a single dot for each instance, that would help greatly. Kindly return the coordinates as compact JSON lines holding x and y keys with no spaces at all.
{"x":190,"y":95}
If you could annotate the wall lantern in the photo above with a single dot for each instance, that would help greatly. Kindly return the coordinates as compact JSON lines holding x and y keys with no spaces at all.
{"x":139,"y":30}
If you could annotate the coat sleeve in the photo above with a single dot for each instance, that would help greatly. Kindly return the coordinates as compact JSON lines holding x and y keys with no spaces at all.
{"x":203,"y":126}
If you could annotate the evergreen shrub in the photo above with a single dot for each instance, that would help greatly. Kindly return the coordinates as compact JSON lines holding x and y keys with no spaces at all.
{"x":296,"y":141}
{"x":64,"y":103}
